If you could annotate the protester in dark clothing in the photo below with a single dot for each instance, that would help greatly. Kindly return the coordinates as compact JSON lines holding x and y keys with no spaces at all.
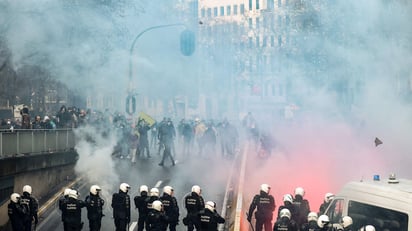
{"x":168,"y":133}
{"x":170,"y":207}
{"x":16,"y":212}
{"x":94,"y":204}
{"x":141,"y":204}
{"x":228,"y":139}
{"x":209,"y":218}
{"x":264,"y":203}
{"x":72,"y":212}
{"x":143,"y":128}
{"x":193,"y":203}
{"x":121,"y":207}
{"x":31,"y":205}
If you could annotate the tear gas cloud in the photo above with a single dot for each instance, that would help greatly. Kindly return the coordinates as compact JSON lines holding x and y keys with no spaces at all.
{"x":362,"y":47}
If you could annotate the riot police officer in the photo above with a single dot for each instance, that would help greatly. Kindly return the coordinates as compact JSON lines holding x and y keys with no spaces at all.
{"x":312,"y":224}
{"x":287,"y":204}
{"x":31,"y":205}
{"x":72,"y":212}
{"x":302,"y":207}
{"x":140,"y":202}
{"x":285,"y":223}
{"x":153,"y":196}
{"x":264,"y":203}
{"x":94,"y":205}
{"x":193,"y":203}
{"x":16,"y":212}
{"x":170,"y":207}
{"x":326,"y":201}
{"x":209,"y":218}
{"x":156,"y":219}
{"x":121,"y":207}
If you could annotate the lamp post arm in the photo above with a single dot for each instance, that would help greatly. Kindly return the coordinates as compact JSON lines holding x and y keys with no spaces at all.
{"x":139,"y":35}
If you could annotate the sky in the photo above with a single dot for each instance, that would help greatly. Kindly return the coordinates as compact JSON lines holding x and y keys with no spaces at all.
{"x":87,"y":44}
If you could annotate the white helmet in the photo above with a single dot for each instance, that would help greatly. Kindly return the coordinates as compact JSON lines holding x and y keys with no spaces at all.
{"x":196,"y":189}
{"x":285,"y":213}
{"x":168,"y":190}
{"x":287,"y":197}
{"x":328,"y":197}
{"x":154,"y":192}
{"x":73,"y":194}
{"x":27,"y":188}
{"x":157,"y":205}
{"x":15,"y":197}
{"x":124,"y":187}
{"x":67,"y":191}
{"x":265,"y":188}
{"x":144,"y":188}
{"x":312,"y":216}
{"x":299,"y":191}
{"x":347,"y":221}
{"x":323,"y":220}
{"x":210,"y":205}
{"x":95,"y":189}
{"x":368,"y":228}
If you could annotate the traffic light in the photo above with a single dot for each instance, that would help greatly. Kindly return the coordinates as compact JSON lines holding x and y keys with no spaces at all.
{"x":187,"y":42}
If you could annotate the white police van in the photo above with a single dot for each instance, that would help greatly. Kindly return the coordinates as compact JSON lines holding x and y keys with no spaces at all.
{"x":385,"y":204}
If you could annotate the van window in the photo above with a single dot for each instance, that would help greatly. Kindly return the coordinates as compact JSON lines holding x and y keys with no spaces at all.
{"x":382,"y":218}
{"x":335,"y":211}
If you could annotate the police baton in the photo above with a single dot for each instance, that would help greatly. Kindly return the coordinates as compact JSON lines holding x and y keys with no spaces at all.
{"x":247,"y":215}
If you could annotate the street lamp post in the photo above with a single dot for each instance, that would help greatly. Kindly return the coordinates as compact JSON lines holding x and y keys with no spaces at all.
{"x":187,"y":37}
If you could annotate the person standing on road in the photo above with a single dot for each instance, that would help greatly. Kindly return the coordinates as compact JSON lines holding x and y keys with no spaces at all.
{"x":302,"y":207}
{"x":121,"y":207}
{"x":157,"y":219}
{"x":94,"y":204}
{"x":193,"y":203}
{"x":141,"y":204}
{"x":31,"y":205}
{"x":326,"y":201}
{"x":285,"y":223}
{"x":170,"y":207}
{"x":16,"y":212}
{"x":168,"y":134}
{"x":72,"y":212}
{"x":264,"y":203}
{"x":209,"y":218}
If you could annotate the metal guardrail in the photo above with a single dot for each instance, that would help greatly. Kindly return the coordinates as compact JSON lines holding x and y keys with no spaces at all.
{"x":31,"y":141}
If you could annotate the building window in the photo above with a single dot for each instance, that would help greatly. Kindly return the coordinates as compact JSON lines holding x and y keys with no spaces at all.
{"x":242,"y":8}
{"x":250,"y":23}
{"x":257,"y":22}
{"x":203,"y":12}
{"x":215,"y":11}
{"x":270,"y":4}
{"x":280,"y":41}
{"x":250,"y":42}
{"x":235,"y":9}
{"x":272,"y":41}
{"x":279,"y":3}
{"x":250,"y":4}
{"x":279,"y":22}
{"x":228,"y":10}
{"x":257,"y":41}
{"x":257,"y":5}
{"x":265,"y":41}
{"x":222,"y":11}
{"x":209,"y":12}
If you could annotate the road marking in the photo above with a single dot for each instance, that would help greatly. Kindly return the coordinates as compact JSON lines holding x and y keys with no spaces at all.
{"x":157,"y":185}
{"x":132,"y":226}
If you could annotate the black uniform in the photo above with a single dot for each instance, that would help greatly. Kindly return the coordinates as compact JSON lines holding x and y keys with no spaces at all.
{"x":94,"y":206}
{"x":156,"y":221}
{"x":167,"y":133}
{"x":72,"y":214}
{"x":311,"y":226}
{"x":121,"y":210}
{"x":302,"y":209}
{"x":290,"y":207}
{"x":265,"y":205}
{"x":171,"y":210}
{"x":141,"y":204}
{"x":32,"y":207}
{"x":194,"y":203}
{"x":209,"y":220}
{"x":285,"y":224}
{"x":16,"y":214}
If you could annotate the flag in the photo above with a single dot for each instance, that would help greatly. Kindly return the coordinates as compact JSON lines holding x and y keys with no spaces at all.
{"x":147,"y":118}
